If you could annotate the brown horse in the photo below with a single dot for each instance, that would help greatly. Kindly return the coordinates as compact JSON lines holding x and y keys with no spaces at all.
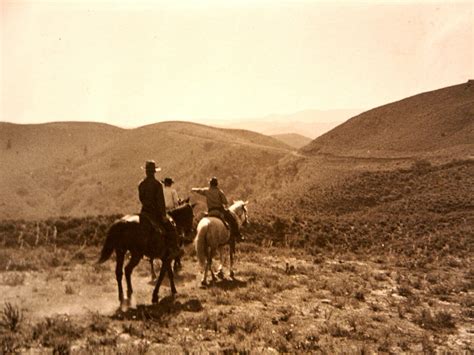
{"x":128,"y":234}
{"x":185,"y":232}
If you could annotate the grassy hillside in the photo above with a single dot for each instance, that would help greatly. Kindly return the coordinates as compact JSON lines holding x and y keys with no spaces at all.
{"x":86,"y":169}
{"x":421,"y":209}
{"x":438,"y":121}
{"x":28,"y":147}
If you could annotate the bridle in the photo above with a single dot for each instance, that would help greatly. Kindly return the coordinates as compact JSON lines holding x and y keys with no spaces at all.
{"x":242,"y":215}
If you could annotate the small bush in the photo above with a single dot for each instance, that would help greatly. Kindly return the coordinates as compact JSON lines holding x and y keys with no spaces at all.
{"x":55,"y":331}
{"x":359,"y":295}
{"x":12,"y":317}
{"x":61,"y":346}
{"x":336,"y":330}
{"x":246,"y":323}
{"x":11,"y":343}
{"x":405,"y":291}
{"x":99,"y":324}
{"x":69,"y":290}
{"x":440,"y":320}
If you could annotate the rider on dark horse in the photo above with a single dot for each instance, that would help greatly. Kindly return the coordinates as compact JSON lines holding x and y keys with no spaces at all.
{"x":153,"y":211}
{"x":217,"y":207}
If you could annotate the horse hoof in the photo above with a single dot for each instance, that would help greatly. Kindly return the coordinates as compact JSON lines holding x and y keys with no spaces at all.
{"x":220,"y":275}
{"x":124,"y":305}
{"x":232,"y":275}
{"x":203,"y":284}
{"x":154,"y":300}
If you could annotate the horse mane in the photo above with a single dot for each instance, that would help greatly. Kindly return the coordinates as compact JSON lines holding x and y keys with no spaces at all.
{"x":133,"y":218}
{"x":179,"y":208}
{"x":237,"y":204}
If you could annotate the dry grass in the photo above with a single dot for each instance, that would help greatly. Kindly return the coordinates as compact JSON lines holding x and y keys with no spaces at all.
{"x":282,"y":299}
{"x":12,"y":317}
{"x":13,"y":279}
{"x":243,"y":320}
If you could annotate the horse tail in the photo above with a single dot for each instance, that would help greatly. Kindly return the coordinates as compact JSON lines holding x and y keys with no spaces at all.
{"x":110,"y":243}
{"x":200,"y":243}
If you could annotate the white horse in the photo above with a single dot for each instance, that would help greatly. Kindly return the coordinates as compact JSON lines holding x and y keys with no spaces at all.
{"x":213,"y":235}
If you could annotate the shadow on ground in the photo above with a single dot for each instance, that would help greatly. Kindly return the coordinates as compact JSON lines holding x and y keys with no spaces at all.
{"x":166,"y":307}
{"x":228,"y":284}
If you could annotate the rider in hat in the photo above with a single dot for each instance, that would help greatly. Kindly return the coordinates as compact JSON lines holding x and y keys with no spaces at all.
{"x":153,"y":209}
{"x":171,"y":196}
{"x":217,"y":206}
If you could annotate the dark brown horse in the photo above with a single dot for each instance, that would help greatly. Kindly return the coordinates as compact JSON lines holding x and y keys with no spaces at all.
{"x":128,"y":234}
{"x":185,"y":234}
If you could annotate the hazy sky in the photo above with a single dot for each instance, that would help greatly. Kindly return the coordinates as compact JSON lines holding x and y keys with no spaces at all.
{"x":134,"y":62}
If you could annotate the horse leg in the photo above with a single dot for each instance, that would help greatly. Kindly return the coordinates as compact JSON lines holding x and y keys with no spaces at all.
{"x":231,"y":263}
{"x":165,"y":266}
{"x":171,"y":278}
{"x":220,"y":271}
{"x":128,"y":272}
{"x":152,"y":269}
{"x":209,"y":261}
{"x":207,"y":266}
{"x":177,"y":264}
{"x":119,"y":272}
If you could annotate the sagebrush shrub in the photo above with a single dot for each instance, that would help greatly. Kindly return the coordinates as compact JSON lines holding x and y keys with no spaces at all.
{"x":12,"y":316}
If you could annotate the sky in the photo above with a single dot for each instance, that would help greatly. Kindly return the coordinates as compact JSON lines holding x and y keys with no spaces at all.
{"x":135,"y":62}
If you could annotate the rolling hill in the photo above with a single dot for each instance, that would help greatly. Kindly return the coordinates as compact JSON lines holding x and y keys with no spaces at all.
{"x":77,"y":169}
{"x":395,"y":173}
{"x":436,"y":122}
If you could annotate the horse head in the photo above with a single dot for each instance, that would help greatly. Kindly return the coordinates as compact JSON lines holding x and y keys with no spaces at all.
{"x":183,"y":216}
{"x":240,"y":210}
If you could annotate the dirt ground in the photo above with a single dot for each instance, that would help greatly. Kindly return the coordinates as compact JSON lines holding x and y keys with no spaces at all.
{"x":281,"y":300}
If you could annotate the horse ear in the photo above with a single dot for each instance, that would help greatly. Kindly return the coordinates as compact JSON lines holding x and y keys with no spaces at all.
{"x":187,"y":200}
{"x":246,"y":203}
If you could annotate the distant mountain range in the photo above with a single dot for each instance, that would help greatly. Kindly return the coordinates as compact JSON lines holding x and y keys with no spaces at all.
{"x":308,"y":123}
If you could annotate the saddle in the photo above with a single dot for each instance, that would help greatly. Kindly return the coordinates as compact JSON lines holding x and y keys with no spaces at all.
{"x":217,"y":214}
{"x":146,"y":219}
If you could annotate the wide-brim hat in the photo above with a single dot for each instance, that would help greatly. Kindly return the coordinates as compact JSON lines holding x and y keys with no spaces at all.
{"x":150,"y":165}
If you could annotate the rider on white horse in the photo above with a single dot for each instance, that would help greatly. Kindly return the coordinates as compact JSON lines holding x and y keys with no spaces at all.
{"x":217,"y":207}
